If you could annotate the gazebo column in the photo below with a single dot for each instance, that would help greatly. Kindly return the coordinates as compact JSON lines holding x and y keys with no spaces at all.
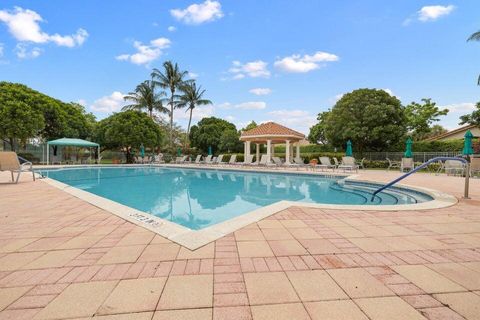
{"x":244,"y":152}
{"x":269,"y":151}
{"x":287,"y":151}
{"x":248,"y":149}
{"x":257,"y":150}
{"x":298,"y":151}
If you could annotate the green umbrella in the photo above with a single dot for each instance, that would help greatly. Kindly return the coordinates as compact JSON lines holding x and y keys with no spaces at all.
{"x":349,"y":151}
{"x":142,"y":151}
{"x":179,"y":152}
{"x":210,"y":150}
{"x":408,"y":151}
{"x":467,"y":144}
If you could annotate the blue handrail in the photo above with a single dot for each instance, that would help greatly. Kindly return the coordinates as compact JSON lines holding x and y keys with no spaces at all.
{"x":423,"y":165}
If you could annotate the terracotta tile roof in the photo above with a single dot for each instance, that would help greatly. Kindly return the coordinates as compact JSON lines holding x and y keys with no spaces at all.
{"x":273,"y":129}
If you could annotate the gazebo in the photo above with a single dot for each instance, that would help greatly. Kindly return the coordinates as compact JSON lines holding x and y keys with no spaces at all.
{"x":272,"y":133}
{"x":69,"y":142}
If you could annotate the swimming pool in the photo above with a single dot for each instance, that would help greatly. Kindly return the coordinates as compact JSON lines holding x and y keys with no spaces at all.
{"x":198,"y":198}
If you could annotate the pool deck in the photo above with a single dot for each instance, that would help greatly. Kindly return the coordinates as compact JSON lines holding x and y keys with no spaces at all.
{"x":63,"y":258}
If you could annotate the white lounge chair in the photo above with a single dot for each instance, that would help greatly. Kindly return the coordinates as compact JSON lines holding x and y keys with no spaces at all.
{"x":407,"y":164}
{"x":297,"y":163}
{"x":207,"y":160}
{"x":158,"y":158}
{"x":335,"y":161}
{"x":198,"y":159}
{"x":248,"y":161}
{"x":454,"y":167}
{"x":348,"y":163}
{"x":233,"y":159}
{"x":264,"y":161}
{"x":474,"y":166}
{"x":9,"y":162}
{"x":218,"y":160}
{"x":277,"y":162}
{"x":325,"y":163}
{"x":393,"y":164}
{"x":180,"y":160}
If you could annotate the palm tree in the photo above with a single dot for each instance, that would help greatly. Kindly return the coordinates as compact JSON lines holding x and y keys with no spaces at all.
{"x":192,"y":97}
{"x":144,"y":97}
{"x":171,"y":78}
{"x":475,"y":37}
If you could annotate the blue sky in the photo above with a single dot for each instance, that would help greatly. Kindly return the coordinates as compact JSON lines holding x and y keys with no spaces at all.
{"x":259,"y":60}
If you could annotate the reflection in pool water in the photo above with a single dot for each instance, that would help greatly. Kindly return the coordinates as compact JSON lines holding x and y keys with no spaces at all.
{"x":197,"y":198}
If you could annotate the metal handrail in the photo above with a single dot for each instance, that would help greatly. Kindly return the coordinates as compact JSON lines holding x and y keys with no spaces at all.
{"x":423,"y":165}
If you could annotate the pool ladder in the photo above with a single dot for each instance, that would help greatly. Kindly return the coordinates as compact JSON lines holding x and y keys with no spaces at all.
{"x":425,"y":164}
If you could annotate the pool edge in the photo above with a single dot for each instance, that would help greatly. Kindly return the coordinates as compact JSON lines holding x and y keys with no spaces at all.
{"x":194,"y":239}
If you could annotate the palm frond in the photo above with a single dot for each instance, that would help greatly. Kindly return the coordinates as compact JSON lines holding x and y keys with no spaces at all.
{"x":474,"y":37}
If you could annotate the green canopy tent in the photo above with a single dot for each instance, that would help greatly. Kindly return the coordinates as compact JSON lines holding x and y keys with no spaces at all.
{"x":69,"y":142}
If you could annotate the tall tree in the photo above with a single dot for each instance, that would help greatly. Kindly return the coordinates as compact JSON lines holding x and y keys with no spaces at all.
{"x":171,"y":78}
{"x":208,"y":132}
{"x":249,"y":126}
{"x":317,"y":132}
{"x":420,"y":117}
{"x":475,"y":37}
{"x":472,"y":118}
{"x":191,"y":98}
{"x":372,"y":119}
{"x":145,"y":97}
{"x":127,"y":130}
{"x":19,"y":121}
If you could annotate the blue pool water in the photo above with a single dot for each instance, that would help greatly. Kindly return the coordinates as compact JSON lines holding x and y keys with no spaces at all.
{"x":197,"y":198}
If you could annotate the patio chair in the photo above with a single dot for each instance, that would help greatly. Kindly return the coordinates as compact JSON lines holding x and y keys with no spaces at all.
{"x":474,"y":166}
{"x":198,"y":159}
{"x":393,"y":164}
{"x":277,"y":162}
{"x":158,"y":158}
{"x":207,"y":160}
{"x":407,"y":163}
{"x":325,"y":163}
{"x":233,"y":159}
{"x":180,"y":160}
{"x":265,"y":162}
{"x":360,"y":164}
{"x":297,"y":163}
{"x":248,"y":161}
{"x":218,"y":160}
{"x":348,"y":163}
{"x":335,"y":161}
{"x":454,"y":167}
{"x":9,"y":161}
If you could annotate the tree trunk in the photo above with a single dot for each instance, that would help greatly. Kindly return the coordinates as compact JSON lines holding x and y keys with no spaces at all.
{"x":171,"y":117}
{"x":12,"y":145}
{"x":189,"y":122}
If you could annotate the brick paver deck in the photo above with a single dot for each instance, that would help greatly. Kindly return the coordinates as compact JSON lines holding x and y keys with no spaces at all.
{"x":62,"y":258}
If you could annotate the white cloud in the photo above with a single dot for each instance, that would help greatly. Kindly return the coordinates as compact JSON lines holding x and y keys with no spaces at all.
{"x":306,"y":63}
{"x":260,"y":91}
{"x":146,"y":53}
{"x":432,"y":13}
{"x":82,"y":102}
{"x":23,"y":52}
{"x":192,"y":75}
{"x":459,"y":107}
{"x":230,"y":118}
{"x":250,"y":105}
{"x":172,"y":29}
{"x":108,"y":104}
{"x":199,"y":13}
{"x":1,"y":50}
{"x":199,"y":113}
{"x":253,"y":69}
{"x":299,"y":120}
{"x":23,"y":24}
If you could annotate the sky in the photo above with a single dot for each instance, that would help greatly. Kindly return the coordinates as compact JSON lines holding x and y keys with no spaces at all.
{"x":282,"y":61}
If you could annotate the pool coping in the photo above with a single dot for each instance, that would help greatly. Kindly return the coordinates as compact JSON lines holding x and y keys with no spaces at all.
{"x":194,"y":239}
